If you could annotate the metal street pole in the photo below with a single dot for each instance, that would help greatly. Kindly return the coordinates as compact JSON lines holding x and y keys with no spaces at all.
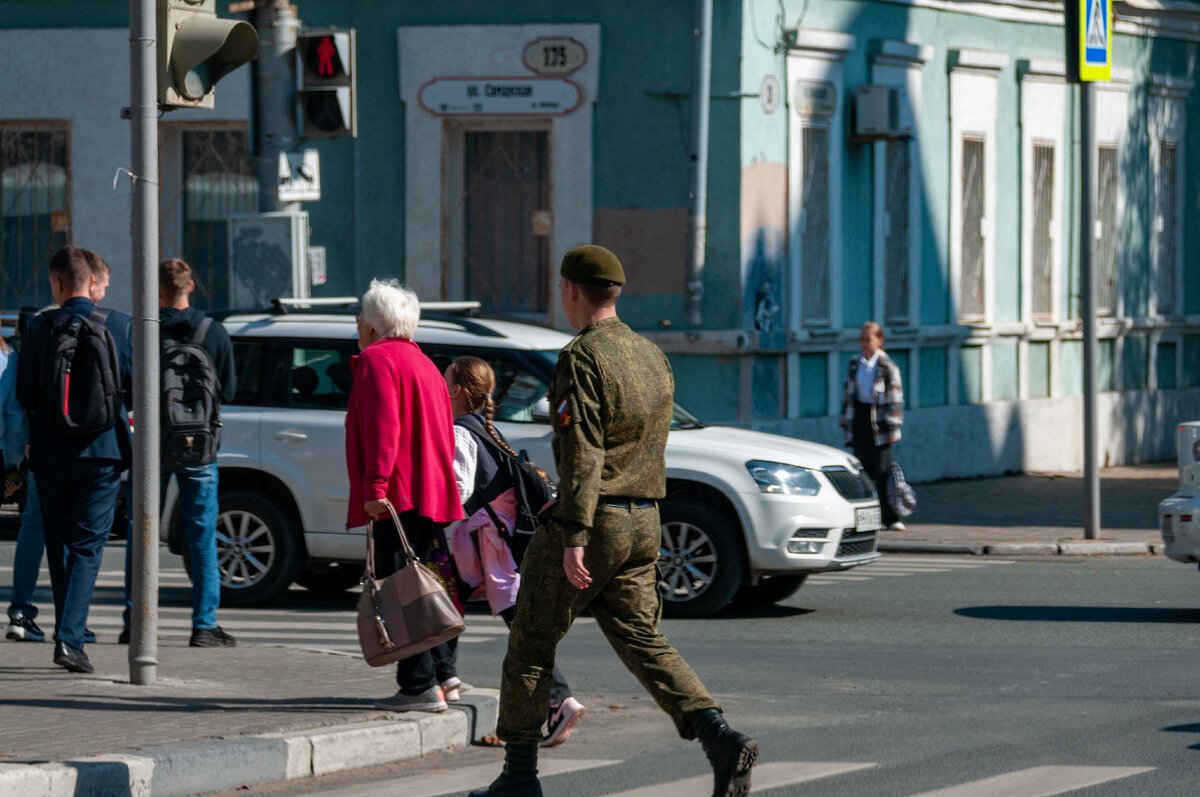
{"x":143,"y":642}
{"x":693,"y":298}
{"x":275,"y":97}
{"x":1087,"y":289}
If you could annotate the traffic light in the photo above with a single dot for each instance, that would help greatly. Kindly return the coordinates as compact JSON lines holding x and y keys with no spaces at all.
{"x":325,"y":88}
{"x":196,"y":49}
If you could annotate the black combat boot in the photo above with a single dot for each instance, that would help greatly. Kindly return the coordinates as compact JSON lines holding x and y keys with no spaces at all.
{"x":519,"y":778}
{"x":731,"y":754}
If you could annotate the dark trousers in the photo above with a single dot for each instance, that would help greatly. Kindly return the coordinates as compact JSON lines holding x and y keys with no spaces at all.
{"x":431,"y":667}
{"x":78,"y":501}
{"x":876,"y":460}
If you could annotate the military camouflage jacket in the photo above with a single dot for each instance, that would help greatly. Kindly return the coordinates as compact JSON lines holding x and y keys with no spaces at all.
{"x":611,"y":402}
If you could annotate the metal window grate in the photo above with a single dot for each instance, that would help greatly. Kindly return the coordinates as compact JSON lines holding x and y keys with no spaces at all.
{"x":814,"y":224}
{"x":896,"y":233}
{"x":1043,"y":231}
{"x":1166,"y":225}
{"x":218,"y":181}
{"x":1106,"y":232}
{"x":972,"y":287}
{"x":35,"y":207}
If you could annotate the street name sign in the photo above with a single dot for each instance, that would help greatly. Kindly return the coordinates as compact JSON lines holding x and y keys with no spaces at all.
{"x":500,"y":96}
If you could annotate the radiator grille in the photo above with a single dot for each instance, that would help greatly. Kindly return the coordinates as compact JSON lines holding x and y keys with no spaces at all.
{"x":856,"y":543}
{"x":851,"y":486}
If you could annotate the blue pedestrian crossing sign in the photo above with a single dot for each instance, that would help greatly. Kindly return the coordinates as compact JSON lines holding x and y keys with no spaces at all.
{"x":1095,"y":39}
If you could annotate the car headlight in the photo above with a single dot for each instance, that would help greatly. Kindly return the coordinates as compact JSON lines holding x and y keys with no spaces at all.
{"x":780,"y":479}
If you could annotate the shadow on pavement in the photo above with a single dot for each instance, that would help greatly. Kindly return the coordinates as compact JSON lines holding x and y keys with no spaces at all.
{"x":1081,"y":614}
{"x":193,"y":704}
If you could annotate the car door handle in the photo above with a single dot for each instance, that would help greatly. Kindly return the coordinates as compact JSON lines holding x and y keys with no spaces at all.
{"x":290,"y":436}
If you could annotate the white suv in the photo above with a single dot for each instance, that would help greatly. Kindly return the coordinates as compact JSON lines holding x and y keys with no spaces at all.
{"x":746,"y":512}
{"x":1179,"y":515}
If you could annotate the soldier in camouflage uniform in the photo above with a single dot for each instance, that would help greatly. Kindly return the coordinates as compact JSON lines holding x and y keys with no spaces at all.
{"x":598,"y":546}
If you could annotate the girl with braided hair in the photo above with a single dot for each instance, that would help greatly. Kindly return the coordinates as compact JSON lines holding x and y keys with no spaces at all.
{"x":481,"y":543}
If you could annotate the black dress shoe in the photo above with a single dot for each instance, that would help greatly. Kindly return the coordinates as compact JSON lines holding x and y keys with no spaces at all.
{"x":74,"y":660}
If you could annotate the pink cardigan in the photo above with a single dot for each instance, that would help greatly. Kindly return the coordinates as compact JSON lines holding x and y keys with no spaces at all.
{"x":400,"y":434}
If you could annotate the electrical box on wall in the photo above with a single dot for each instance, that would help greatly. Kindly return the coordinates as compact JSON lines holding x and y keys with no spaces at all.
{"x":881,"y":112}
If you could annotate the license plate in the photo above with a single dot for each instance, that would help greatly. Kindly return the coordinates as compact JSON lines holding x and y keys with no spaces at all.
{"x":868,"y":519}
{"x":1168,"y":534}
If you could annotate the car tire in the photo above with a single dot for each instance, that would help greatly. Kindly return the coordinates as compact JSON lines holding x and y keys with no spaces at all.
{"x":330,"y":577}
{"x":772,"y":589}
{"x":700,"y":559}
{"x":261,"y":572}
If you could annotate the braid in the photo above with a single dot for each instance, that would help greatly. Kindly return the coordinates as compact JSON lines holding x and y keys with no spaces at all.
{"x":487,"y":422}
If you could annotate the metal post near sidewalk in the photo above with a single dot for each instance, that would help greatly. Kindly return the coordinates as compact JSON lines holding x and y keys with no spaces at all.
{"x":275,"y":97}
{"x":1087,"y":290}
{"x":143,"y":642}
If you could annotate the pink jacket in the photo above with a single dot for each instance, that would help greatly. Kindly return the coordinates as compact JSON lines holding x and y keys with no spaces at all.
{"x":490,"y":562}
{"x":400,"y":434}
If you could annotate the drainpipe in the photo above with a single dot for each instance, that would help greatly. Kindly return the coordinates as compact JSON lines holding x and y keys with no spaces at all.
{"x":698,"y":212}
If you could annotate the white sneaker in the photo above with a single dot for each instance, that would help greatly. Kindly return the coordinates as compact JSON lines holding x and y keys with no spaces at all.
{"x":561,"y":721}
{"x":429,"y":700}
{"x":452,"y":687}
{"x":897,"y":526}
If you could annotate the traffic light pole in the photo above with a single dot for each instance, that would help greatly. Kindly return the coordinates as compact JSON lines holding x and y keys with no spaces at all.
{"x":274,"y":97}
{"x":143,"y":643}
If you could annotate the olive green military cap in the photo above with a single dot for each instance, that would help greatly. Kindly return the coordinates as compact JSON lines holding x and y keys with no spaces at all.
{"x":592,"y":265}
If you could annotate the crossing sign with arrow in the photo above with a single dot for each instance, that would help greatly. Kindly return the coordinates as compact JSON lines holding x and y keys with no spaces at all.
{"x":1089,"y":36}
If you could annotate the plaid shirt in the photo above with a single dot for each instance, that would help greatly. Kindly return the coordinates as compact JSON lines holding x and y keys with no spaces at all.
{"x":887,"y":410}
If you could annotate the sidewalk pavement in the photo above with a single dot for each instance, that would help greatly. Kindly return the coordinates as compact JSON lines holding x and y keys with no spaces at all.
{"x":216,"y":719}
{"x":222,"y":718}
{"x":1037,"y":514}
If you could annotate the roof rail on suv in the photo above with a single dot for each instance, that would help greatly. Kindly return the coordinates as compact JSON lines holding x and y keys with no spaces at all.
{"x":284,"y":305}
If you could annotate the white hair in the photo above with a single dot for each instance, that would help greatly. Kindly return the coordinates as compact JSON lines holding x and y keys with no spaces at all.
{"x":390,"y":310}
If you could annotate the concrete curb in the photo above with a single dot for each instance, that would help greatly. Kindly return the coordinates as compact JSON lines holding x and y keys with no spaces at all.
{"x":228,"y":764}
{"x":1064,"y":548}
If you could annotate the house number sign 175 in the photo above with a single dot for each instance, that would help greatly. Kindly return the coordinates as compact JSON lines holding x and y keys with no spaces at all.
{"x":554,"y":55}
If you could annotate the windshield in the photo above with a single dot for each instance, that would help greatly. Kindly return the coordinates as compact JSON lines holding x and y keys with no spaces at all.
{"x":681,"y":418}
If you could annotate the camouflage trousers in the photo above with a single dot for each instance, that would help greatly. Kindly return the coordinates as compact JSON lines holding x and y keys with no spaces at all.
{"x":622,"y":557}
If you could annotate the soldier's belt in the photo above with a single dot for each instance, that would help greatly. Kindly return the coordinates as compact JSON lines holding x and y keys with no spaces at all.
{"x":627,"y":503}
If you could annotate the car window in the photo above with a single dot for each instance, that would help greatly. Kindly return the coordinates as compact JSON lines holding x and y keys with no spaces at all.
{"x":520,"y":393}
{"x":248,"y":359}
{"x":320,"y":378}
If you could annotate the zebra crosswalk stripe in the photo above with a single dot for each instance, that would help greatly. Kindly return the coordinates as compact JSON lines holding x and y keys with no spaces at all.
{"x":765,"y":776}
{"x":1037,"y":782}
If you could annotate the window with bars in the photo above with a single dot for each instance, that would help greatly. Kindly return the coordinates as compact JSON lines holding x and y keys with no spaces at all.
{"x":1166,"y":226}
{"x":897,"y":163}
{"x":1106,"y":229}
{"x":1042,"y":293}
{"x":35,"y":207}
{"x":971,"y":298}
{"x":814,"y":225}
{"x":218,"y":181}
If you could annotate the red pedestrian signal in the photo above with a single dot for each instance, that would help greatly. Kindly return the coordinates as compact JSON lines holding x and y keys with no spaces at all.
{"x":325,"y":83}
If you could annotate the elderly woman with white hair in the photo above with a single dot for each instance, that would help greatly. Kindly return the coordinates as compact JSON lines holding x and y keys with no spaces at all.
{"x":400,"y":450}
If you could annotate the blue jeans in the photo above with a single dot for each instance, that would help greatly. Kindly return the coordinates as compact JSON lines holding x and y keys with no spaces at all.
{"x":78,"y":500}
{"x":27,"y":559}
{"x":198,"y":505}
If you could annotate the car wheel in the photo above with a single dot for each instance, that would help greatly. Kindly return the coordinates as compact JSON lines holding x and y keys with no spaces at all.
{"x":258,"y":549}
{"x":699,"y":559}
{"x":330,"y":576}
{"x":772,"y":589}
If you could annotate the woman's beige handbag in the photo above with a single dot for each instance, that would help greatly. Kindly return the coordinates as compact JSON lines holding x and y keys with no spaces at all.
{"x":406,"y":613}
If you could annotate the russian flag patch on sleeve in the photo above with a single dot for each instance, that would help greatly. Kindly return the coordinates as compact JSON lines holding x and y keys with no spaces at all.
{"x":564,"y":412}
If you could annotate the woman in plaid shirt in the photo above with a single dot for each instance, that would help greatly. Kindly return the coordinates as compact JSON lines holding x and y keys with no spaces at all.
{"x":873,"y":411}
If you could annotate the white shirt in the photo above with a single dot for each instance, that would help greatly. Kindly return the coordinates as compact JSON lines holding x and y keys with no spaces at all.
{"x":466,"y":451}
{"x":865,"y":378}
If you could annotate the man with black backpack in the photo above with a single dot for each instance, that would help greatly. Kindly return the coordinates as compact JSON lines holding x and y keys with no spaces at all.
{"x":198,"y":375}
{"x":73,"y":378}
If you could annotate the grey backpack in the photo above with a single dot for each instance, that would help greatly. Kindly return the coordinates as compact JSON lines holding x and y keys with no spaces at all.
{"x":190,"y":408}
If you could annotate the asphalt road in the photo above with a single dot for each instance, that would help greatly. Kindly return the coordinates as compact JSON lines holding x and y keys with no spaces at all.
{"x":919,"y":676}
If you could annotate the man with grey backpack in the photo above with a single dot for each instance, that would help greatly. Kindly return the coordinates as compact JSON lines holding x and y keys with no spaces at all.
{"x":198,"y":375}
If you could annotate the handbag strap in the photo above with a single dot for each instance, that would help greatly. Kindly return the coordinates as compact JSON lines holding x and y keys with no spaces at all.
{"x":409,"y":555}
